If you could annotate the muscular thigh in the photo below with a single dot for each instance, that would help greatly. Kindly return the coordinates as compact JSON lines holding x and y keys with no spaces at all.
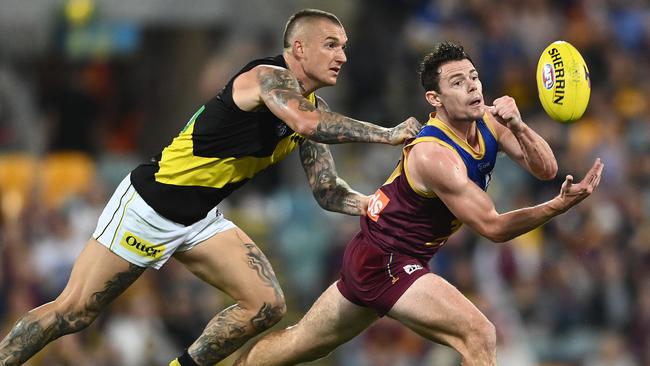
{"x":97,"y":277}
{"x":231,"y":262}
{"x":436,"y":310}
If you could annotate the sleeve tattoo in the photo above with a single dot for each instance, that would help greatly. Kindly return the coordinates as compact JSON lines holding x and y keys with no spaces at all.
{"x":280,"y":88}
{"x":331,"y":192}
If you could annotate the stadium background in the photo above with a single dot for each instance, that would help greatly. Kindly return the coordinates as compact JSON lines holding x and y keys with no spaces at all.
{"x":90,"y":88}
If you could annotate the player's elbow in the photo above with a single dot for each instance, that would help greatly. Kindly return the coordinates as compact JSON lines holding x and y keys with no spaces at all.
{"x":322,"y":195}
{"x":549,"y":172}
{"x":305,"y":128}
{"x":305,"y":124}
{"x":495,"y":236}
{"x":499,"y":238}
{"x":494,"y":233}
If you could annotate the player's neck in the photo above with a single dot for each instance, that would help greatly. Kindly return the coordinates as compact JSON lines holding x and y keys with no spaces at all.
{"x":465,"y":129}
{"x":307,"y":86}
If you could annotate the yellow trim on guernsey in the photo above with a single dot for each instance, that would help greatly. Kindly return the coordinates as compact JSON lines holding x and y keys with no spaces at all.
{"x":489,"y":120}
{"x":420,"y":192}
{"x":461,"y":142}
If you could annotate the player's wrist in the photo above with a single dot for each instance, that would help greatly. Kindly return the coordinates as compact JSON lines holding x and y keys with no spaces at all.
{"x":556,"y":206}
{"x":393,"y":135}
{"x":517,"y":126}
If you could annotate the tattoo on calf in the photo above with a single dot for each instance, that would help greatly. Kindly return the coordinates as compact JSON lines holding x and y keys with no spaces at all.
{"x":229,"y":330}
{"x":224,"y":334}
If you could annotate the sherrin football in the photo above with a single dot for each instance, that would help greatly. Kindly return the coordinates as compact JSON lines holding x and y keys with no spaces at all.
{"x":563,"y":82}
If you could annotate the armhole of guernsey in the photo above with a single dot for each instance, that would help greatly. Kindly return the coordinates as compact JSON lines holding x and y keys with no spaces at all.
{"x":489,"y":121}
{"x":419,"y":192}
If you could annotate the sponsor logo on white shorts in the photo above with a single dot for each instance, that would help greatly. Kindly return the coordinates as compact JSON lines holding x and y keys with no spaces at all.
{"x":410,"y":268}
{"x":141,"y":247}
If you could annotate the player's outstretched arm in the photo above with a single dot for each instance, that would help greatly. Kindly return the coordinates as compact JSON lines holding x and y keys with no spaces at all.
{"x":438,"y":170}
{"x":520,"y":142}
{"x":280,"y":91}
{"x":331,"y":192}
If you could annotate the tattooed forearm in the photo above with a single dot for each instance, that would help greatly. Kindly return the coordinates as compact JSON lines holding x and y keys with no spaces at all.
{"x":331,"y":192}
{"x":342,"y":199}
{"x":282,"y":93}
{"x":45,"y":324}
{"x":335,"y":128}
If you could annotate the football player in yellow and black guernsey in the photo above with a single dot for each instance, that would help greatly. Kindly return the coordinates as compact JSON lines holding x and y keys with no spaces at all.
{"x":168,"y":207}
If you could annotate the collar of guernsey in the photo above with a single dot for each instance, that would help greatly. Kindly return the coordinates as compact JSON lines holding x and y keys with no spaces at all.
{"x":177,"y":169}
{"x":479,"y":163}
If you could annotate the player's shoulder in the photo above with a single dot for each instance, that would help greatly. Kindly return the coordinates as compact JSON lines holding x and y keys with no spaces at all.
{"x":270,"y":68}
{"x":272,"y":76}
{"x":321,"y":103}
{"x":440,"y":164}
{"x":268,"y":72}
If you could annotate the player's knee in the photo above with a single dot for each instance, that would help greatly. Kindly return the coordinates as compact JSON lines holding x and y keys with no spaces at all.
{"x":265,"y":311}
{"x":74,"y":314}
{"x":483,"y":337}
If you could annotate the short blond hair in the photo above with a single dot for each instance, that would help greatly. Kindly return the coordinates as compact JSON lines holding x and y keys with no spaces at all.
{"x":305,"y":14}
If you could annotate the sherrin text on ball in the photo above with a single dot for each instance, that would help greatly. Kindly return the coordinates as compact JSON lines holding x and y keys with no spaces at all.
{"x":563,"y":82}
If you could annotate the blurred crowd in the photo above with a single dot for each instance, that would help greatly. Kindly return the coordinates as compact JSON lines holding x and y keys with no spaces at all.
{"x":77,"y":114}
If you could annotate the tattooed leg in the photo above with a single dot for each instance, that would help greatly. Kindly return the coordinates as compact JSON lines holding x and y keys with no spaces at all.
{"x":258,"y":262}
{"x":231,"y":262}
{"x":230,"y":329}
{"x":73,"y":310}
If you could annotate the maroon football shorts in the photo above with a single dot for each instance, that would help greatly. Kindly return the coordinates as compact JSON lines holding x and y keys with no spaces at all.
{"x":374,"y":278}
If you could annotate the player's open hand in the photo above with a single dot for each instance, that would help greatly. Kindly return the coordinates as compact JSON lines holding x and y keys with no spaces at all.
{"x":505,"y":111}
{"x":572,"y":193}
{"x":404,"y":131}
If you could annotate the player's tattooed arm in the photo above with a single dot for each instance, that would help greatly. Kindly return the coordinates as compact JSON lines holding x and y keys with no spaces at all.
{"x":282,"y":94}
{"x":331,"y":192}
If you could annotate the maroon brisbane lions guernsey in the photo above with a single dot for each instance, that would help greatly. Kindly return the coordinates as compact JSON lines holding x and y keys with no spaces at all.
{"x":404,"y":227}
{"x":402,"y":219}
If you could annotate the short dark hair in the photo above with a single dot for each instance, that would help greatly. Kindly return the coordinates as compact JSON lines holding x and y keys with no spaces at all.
{"x":442,"y":53}
{"x":304,"y":14}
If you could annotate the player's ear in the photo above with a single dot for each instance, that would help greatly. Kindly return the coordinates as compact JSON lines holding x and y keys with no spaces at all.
{"x":297,"y":48}
{"x":433,"y":98}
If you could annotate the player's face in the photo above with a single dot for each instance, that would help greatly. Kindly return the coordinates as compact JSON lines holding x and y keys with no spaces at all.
{"x":324,"y":52}
{"x":461,"y":92}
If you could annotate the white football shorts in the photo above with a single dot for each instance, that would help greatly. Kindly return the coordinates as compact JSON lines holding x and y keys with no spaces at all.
{"x":130,"y":228}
